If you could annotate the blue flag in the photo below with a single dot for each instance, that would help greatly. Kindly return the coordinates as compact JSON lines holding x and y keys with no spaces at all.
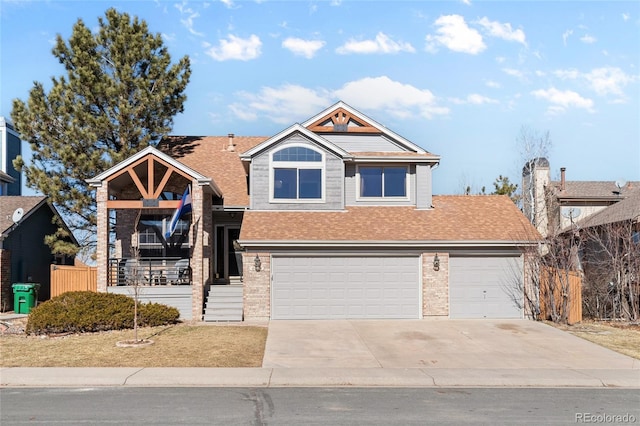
{"x":183,"y":208}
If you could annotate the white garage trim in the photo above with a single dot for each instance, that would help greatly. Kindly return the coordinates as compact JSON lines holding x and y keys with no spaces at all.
{"x":485,"y":287}
{"x":345,"y":286}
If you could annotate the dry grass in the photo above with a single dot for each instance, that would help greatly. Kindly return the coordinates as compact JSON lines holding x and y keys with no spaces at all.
{"x":618,"y":336}
{"x":174,"y":346}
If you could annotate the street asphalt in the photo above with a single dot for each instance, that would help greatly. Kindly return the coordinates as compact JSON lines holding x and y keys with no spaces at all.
{"x":409,"y":353}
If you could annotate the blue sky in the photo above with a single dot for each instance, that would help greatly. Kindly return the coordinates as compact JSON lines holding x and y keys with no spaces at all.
{"x":459,"y":78}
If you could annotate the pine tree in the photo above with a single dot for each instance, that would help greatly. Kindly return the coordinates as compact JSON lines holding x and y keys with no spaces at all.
{"x":503,"y":186}
{"x":120,"y":94}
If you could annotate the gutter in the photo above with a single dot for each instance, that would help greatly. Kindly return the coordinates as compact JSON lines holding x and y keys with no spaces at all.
{"x":386,"y":244}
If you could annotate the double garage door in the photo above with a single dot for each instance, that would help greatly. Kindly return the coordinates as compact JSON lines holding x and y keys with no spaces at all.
{"x":485,"y":287}
{"x":339,"y":287}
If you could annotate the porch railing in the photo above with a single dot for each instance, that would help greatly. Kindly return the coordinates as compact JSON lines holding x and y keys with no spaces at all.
{"x":149,"y":271}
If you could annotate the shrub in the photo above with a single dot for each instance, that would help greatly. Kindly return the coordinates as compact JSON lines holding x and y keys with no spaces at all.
{"x":85,"y":311}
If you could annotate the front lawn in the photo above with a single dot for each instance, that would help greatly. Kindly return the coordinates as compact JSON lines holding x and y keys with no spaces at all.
{"x":180,"y":345}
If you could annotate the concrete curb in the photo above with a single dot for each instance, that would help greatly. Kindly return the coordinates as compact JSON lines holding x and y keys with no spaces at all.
{"x":316,"y":377}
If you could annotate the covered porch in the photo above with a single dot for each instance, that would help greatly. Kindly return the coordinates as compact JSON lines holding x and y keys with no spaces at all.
{"x":138,"y":247}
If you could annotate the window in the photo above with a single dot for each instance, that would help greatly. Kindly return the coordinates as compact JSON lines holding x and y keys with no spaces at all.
{"x":377,"y":182}
{"x":297,"y":174}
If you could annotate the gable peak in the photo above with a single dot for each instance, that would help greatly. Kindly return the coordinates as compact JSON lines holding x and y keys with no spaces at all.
{"x":340,"y":120}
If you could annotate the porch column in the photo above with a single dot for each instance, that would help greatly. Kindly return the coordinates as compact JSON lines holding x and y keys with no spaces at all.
{"x":102,"y":231}
{"x":197,"y":256}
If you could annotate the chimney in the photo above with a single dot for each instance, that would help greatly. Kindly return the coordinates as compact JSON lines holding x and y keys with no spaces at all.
{"x":231,"y":146}
{"x":562,"y":178}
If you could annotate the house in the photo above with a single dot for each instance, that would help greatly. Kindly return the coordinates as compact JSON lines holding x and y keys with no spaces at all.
{"x":556,"y":206}
{"x":10,"y":148}
{"x":24,"y":256}
{"x":330,"y":218}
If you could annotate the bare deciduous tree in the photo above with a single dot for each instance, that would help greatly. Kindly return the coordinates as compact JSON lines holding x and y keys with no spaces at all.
{"x":611,"y":263}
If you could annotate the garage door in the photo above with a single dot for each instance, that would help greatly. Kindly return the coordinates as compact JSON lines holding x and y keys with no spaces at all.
{"x":483,"y":287}
{"x":319,"y":287}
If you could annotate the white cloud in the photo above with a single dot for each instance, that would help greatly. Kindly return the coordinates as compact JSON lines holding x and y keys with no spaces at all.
{"x":569,"y":74}
{"x":467,"y":2}
{"x":278,"y":103}
{"x":515,"y":73}
{"x":588,"y":39}
{"x":236,"y":48}
{"x":228,"y":3}
{"x":381,"y":44}
{"x":454,"y":34}
{"x":474,"y":99}
{"x":626,"y":17}
{"x":604,"y":81}
{"x":395,"y":98}
{"x":187,"y":16}
{"x":565,"y":36}
{"x":608,"y":81}
{"x":300,"y":47}
{"x":492,"y":84}
{"x":561,"y":100}
{"x":168,"y":37}
{"x":374,"y":93}
{"x":503,"y":31}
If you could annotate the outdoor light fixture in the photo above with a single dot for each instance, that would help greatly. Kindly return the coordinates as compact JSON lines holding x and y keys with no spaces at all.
{"x":436,"y":263}
{"x":257,"y":264}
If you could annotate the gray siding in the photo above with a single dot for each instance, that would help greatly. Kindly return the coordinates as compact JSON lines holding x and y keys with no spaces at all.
{"x":423,"y":186}
{"x":178,"y":297}
{"x":334,"y":173}
{"x":363,"y":143}
{"x":350,"y":189}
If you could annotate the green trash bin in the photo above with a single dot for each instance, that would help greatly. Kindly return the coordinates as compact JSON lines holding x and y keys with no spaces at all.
{"x":25,"y":296}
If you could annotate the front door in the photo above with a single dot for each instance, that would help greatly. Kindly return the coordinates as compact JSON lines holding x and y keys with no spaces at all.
{"x":228,"y":253}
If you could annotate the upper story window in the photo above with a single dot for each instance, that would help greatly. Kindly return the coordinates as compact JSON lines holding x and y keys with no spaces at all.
{"x":381,"y":182}
{"x":297,"y":174}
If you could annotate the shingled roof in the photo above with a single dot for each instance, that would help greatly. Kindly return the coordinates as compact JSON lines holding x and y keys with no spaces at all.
{"x":627,"y":209}
{"x":214,"y":157}
{"x":9,"y":204}
{"x":595,"y":189}
{"x":459,"y":218}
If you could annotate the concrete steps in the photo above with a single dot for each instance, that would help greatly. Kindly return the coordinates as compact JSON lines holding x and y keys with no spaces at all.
{"x":224,"y":303}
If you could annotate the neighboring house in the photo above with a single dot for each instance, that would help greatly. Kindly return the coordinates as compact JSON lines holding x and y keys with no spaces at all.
{"x":330,"y":218}
{"x":556,"y":206}
{"x":10,"y":148}
{"x":24,"y":256}
{"x":610,"y":259}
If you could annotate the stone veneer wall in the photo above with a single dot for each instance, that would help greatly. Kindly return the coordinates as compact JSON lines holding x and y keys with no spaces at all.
{"x":435,"y":286}
{"x":102,"y":239}
{"x":257,"y":287}
{"x":6,"y":291}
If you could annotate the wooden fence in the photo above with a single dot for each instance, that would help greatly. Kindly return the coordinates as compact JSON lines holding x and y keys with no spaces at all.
{"x":73,"y":278}
{"x":554,"y":285}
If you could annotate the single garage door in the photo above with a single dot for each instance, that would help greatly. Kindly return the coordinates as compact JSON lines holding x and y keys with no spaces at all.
{"x":321,"y":287}
{"x":483,"y":287}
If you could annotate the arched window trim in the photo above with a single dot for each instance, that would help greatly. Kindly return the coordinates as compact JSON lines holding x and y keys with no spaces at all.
{"x":298,"y":166}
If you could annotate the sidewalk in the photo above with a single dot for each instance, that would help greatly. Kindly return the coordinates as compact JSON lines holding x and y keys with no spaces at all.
{"x":385,"y":354}
{"x":308,"y":377}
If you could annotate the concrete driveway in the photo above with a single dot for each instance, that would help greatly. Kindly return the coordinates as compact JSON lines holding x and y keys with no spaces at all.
{"x":446,"y":344}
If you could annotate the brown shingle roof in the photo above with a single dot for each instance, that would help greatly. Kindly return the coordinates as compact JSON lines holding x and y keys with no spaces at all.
{"x":453,"y":218}
{"x":209,"y":155}
{"x":627,"y":209}
{"x":594,"y":189}
{"x":9,"y":204}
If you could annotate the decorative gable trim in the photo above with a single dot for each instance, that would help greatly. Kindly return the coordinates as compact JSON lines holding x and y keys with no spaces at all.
{"x":151,"y":155}
{"x":342,"y":121}
{"x":355,"y":122}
